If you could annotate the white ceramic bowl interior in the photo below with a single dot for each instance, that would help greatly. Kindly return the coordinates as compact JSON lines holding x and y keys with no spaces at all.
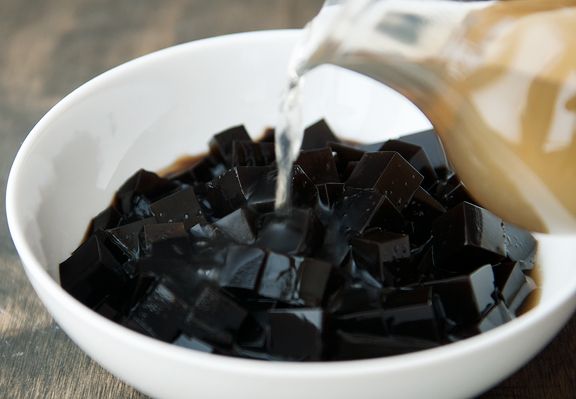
{"x":148,"y":112}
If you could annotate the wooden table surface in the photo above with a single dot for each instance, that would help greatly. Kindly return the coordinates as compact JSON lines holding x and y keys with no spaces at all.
{"x":48,"y":48}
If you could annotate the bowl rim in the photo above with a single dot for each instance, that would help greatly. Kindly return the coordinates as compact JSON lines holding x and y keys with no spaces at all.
{"x":38,"y":275}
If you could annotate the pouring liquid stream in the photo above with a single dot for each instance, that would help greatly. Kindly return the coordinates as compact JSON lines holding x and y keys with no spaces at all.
{"x":497,"y":80}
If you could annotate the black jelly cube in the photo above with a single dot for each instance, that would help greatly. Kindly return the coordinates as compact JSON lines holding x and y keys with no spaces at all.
{"x":319,"y":165}
{"x":140,"y":190}
{"x":108,"y":310}
{"x":349,"y":170}
{"x":352,"y":292}
{"x":527,"y":264}
{"x":131,"y":293}
{"x":243,"y":268}
{"x":313,"y":276}
{"x":248,"y":153}
{"x":205,"y":332}
{"x":296,"y":233}
{"x":317,"y":136}
{"x":181,"y":206}
{"x":416,"y":156}
{"x":416,"y":313}
{"x":107,"y":219}
{"x":231,"y":190}
{"x":330,"y":193}
{"x":92,"y":272}
{"x":239,"y":226}
{"x":158,"y":232}
{"x":388,"y":173}
{"x":520,"y":244}
{"x":178,"y":246}
{"x":252,"y":333}
{"x":218,"y":310}
{"x":497,"y":316}
{"x":186,"y":341}
{"x":200,"y":172}
{"x":349,"y":346}
{"x":127,"y":236}
{"x":268,"y":136}
{"x":368,"y":321}
{"x":424,"y":208}
{"x":279,"y":278}
{"x":523,"y":294}
{"x":304,"y":192}
{"x":432,"y":145}
{"x":221,"y":145}
{"x":351,"y":216}
{"x":451,"y":192}
{"x":509,"y":279}
{"x":388,"y":217}
{"x":296,"y":334}
{"x":205,"y":232}
{"x":214,"y":316}
{"x":357,"y":209}
{"x":161,"y":312}
{"x":390,"y":246}
{"x":422,"y":211}
{"x":467,"y":237}
{"x":375,"y":248}
{"x":173,"y":270}
{"x":263,"y":195}
{"x":467,"y":298}
{"x":425,"y":265}
{"x":343,"y":155}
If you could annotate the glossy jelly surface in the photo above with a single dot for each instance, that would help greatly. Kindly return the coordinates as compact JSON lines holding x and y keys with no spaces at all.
{"x":382,"y":252}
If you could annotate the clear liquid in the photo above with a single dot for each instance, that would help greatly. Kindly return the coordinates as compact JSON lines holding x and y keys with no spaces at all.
{"x":497,"y":81}
{"x":288,"y":140}
{"x":289,"y":129}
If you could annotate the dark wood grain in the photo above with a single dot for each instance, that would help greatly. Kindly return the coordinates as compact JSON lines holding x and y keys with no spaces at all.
{"x":47,"y":48}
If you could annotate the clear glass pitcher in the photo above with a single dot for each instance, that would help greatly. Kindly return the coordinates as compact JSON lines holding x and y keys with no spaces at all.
{"x":496,"y":79}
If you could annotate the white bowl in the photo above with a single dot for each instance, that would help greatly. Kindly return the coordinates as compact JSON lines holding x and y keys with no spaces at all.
{"x":149,"y":111}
